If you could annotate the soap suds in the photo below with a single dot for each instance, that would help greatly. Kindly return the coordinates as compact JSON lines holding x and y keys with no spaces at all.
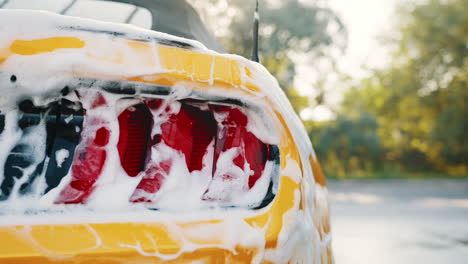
{"x":60,"y":156}
{"x":300,"y":239}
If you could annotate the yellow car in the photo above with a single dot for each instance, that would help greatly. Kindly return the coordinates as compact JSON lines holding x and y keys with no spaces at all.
{"x":125,"y":145}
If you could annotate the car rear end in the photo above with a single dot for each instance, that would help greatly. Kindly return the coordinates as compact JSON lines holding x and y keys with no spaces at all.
{"x":122,"y":145}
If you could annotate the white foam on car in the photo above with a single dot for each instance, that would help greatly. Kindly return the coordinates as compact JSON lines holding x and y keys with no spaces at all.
{"x":44,"y":83}
{"x":60,"y":156}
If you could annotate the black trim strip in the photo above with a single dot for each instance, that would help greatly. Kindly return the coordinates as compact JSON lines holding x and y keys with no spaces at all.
{"x":65,"y":10}
{"x":162,"y":41}
{"x":269,"y":197}
{"x":140,"y":88}
{"x":122,"y":87}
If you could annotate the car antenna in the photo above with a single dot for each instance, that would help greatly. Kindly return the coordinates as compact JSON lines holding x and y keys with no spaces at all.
{"x":255,"y":34}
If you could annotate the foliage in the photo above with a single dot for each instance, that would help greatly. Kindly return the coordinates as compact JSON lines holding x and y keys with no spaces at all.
{"x":419,"y":100}
{"x":348,"y":144}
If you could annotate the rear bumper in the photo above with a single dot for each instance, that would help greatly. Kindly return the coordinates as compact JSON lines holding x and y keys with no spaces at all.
{"x":233,"y":239}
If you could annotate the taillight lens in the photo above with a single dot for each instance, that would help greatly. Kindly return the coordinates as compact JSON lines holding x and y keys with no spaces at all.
{"x":90,"y":157}
{"x":135,"y":125}
{"x":156,"y":140}
{"x":245,"y":154}
{"x":189,"y":131}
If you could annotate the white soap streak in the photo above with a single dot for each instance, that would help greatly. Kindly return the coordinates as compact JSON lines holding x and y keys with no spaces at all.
{"x":46,"y":202}
{"x":229,"y":181}
{"x":181,"y":190}
{"x":160,"y":115}
{"x":39,"y":185}
{"x":295,"y":234}
{"x":25,"y":234}
{"x":250,"y":238}
{"x":260,"y":124}
{"x":253,"y":197}
{"x":68,"y":119}
{"x":10,"y":135}
{"x":34,"y":141}
{"x":292,"y":170}
{"x":212,"y":68}
{"x":96,"y":236}
{"x":60,"y":156}
{"x":234,"y":190}
{"x":113,"y":187}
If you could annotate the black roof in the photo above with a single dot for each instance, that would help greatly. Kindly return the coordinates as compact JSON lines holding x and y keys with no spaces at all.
{"x":178,"y":18}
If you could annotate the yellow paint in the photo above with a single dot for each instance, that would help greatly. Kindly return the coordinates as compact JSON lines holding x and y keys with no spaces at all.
{"x":4,"y":54}
{"x":186,"y":64}
{"x":252,"y":87}
{"x":317,"y":171}
{"x":287,"y":145}
{"x":124,"y":53}
{"x":60,"y":243}
{"x":115,"y":58}
{"x":285,"y":202}
{"x":227,"y":71}
{"x":79,"y":243}
{"x":180,"y":64}
{"x":159,"y":79}
{"x":37,"y":46}
{"x":248,"y":72}
{"x":206,"y":255}
{"x":196,"y":66}
{"x":285,"y":199}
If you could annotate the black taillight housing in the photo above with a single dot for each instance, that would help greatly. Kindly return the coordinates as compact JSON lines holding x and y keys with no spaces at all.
{"x":62,"y":121}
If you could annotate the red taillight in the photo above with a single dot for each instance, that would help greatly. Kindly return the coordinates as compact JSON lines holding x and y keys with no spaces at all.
{"x":213,"y":139}
{"x":88,"y":163}
{"x":250,"y":154}
{"x":152,"y":181}
{"x":90,"y":157}
{"x":135,"y":125}
{"x":256,"y":154}
{"x":253,"y":152}
{"x":190,"y":131}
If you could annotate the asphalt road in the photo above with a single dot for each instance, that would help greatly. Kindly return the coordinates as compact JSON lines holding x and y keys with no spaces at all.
{"x":400,"y":221}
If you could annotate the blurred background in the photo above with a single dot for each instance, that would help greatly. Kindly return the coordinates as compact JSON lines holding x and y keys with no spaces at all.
{"x":381,"y":86}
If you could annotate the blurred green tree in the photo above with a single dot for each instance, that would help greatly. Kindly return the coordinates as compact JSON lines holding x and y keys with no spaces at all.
{"x":348,"y":144}
{"x":419,"y":100}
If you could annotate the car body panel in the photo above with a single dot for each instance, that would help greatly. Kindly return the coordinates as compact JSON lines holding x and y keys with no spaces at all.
{"x":294,"y":228}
